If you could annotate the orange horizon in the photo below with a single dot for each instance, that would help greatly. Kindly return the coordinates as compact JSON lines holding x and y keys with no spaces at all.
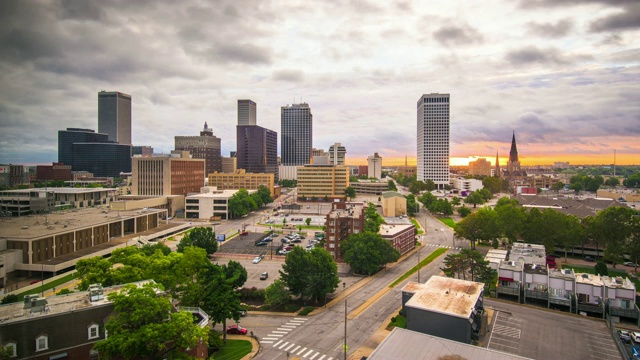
{"x":573,"y":160}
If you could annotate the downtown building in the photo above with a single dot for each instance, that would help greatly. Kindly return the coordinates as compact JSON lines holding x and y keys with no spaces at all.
{"x":316,"y":182}
{"x":296,"y":134}
{"x":257,"y":147}
{"x":433,"y":139}
{"x":337,"y":154}
{"x":175,"y":174}
{"x":114,"y":116}
{"x":206,"y":146}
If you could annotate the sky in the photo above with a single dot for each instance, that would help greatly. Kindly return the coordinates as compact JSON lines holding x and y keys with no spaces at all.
{"x":564,"y":75}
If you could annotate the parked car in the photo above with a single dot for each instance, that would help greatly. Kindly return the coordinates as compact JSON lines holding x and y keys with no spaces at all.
{"x":236,"y":329}
{"x":635,"y":336}
{"x":624,"y":336}
{"x":283,"y":252}
{"x":635,"y":351}
{"x":589,"y":259}
{"x":267,"y":239}
{"x":264,"y":276}
{"x":629,"y":263}
{"x":261,"y":243}
{"x":257,"y":259}
{"x":243,"y":312}
{"x":244,"y":233}
{"x":297,"y":241}
{"x":288,"y":248}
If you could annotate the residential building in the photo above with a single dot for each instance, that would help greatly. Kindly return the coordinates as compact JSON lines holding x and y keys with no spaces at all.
{"x":337,"y":154}
{"x":590,"y":293}
{"x":175,"y":174}
{"x":296,"y":134}
{"x":102,"y":159}
{"x":66,"y":139}
{"x":143,"y":151}
{"x":542,"y":181}
{"x":247,"y":112}
{"x":114,"y":116}
{"x":468,"y":185}
{"x":402,"y":236}
{"x":510,"y":278}
{"x":320,"y":181}
{"x":561,"y":165}
{"x":257,"y":149}
{"x":206,"y":146}
{"x":343,"y":220}
{"x":536,"y":282}
{"x":393,"y":204}
{"x":241,"y":180}
{"x":620,"y":295}
{"x":480,"y":167}
{"x":445,"y":307}
{"x":374,"y":166}
{"x":18,"y":175}
{"x":229,"y":164}
{"x":495,"y":257}
{"x":33,"y":328}
{"x":210,"y":202}
{"x":433,"y":139}
{"x":370,"y":187}
{"x":562,"y":288}
{"x":626,"y":195}
{"x":55,"y":171}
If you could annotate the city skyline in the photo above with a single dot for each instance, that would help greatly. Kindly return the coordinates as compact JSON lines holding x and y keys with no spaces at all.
{"x":563,"y":75}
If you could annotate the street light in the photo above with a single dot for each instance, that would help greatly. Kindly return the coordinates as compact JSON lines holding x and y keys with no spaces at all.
{"x":344,"y":285}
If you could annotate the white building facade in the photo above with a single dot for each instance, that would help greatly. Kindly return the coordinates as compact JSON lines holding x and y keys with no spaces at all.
{"x":433,"y":139}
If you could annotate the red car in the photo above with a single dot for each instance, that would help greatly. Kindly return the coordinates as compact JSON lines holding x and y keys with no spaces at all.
{"x":236,"y":329}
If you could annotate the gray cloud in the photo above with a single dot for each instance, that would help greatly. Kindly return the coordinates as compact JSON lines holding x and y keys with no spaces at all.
{"x":289,"y":75}
{"x":559,"y":29}
{"x":534,"y":55}
{"x":241,"y":53}
{"x":628,"y":19}
{"x":451,"y":35}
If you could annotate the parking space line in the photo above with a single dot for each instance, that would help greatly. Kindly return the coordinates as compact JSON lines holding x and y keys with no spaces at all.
{"x":506,"y":346}
{"x":507,"y":340}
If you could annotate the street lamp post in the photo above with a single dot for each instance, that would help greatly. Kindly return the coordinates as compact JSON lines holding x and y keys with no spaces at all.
{"x":344,"y":285}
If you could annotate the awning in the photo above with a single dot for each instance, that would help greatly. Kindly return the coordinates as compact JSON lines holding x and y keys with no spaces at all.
{"x":505,"y":279}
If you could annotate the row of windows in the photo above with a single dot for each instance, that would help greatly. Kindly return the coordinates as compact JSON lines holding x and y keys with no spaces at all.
{"x":42,"y":341}
{"x":436,"y":100}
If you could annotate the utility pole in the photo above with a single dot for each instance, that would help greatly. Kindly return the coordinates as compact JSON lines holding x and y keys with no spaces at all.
{"x":345,"y":321}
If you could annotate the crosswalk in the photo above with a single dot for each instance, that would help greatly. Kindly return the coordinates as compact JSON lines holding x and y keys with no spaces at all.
{"x":444,"y":246}
{"x":274,"y":339}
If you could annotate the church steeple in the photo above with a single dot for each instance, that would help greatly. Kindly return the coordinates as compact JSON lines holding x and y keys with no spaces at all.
{"x":497,"y":169}
{"x":513,"y":154}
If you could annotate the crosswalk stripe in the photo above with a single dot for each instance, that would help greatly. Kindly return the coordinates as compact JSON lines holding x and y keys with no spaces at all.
{"x":303,"y":319}
{"x":284,"y":329}
{"x":314,"y":356}
{"x":283,"y":345}
{"x":289,"y":347}
{"x":322,"y":357}
{"x":276,"y":344}
{"x":301,"y":351}
{"x":307,"y":354}
{"x":296,"y":349}
{"x":266,"y":342}
{"x":280,"y":332}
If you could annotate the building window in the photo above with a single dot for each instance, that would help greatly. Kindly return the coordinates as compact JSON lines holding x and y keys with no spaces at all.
{"x":93,"y":331}
{"x":42,"y":343}
{"x":13,"y":348}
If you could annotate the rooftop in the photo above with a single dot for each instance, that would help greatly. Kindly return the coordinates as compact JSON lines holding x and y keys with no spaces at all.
{"x":535,"y":269}
{"x":449,"y":296}
{"x":618,"y":283}
{"x":391,"y":230}
{"x":511,"y":265}
{"x":566,"y":274}
{"x":57,"y":190}
{"x":388,"y":194}
{"x":352,"y":210}
{"x":583,"y":278}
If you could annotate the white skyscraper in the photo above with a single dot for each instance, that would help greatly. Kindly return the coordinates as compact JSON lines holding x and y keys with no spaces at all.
{"x":297,"y":134}
{"x":336,"y":154}
{"x":433,"y":139}
{"x":374,"y":166}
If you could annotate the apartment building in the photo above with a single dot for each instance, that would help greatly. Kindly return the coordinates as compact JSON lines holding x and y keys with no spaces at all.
{"x":320,"y":181}
{"x":343,"y":220}
{"x":401,"y":237}
{"x":175,"y":174}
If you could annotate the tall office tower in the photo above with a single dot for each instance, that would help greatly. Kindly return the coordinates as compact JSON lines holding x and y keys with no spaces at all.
{"x":257,"y":149}
{"x":114,"y":116}
{"x":374,"y":166}
{"x":296,"y":134}
{"x":246,"y":112}
{"x":433,"y":139}
{"x":66,"y":139}
{"x":336,"y":154}
{"x":206,"y":146}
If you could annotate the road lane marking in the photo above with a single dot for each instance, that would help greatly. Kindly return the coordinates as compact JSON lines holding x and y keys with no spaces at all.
{"x":276,"y":344}
{"x":314,"y":356}
{"x":266,"y":342}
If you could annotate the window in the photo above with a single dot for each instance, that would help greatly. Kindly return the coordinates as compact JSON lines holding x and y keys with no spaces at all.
{"x":93,"y":331}
{"x":13,"y":346}
{"x":42,"y":343}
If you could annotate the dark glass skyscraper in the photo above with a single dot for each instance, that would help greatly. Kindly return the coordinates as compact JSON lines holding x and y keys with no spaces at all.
{"x":102,"y":159}
{"x":257,"y":149}
{"x":66,"y":138}
{"x":297,"y":134}
{"x":114,"y":116}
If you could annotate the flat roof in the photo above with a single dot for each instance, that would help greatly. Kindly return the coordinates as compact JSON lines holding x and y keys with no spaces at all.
{"x":61,"y":190}
{"x":222,"y":194}
{"x":449,"y":296}
{"x":393,"y":229}
{"x":511,"y":265}
{"x":567,"y":274}
{"x":34,"y":226}
{"x":407,"y":344}
{"x":618,"y":282}
{"x":584,"y":278}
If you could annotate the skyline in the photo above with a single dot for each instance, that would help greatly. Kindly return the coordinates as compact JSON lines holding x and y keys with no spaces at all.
{"x":563,"y":76}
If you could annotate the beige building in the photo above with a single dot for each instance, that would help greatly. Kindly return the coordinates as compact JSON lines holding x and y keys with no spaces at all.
{"x":229,"y":164}
{"x":374,"y":164}
{"x":211,"y":202}
{"x":370,"y":187}
{"x":480,"y":167}
{"x":408,"y":170}
{"x":318,"y":181}
{"x":393,"y":204}
{"x":175,"y":174}
{"x":241,"y":180}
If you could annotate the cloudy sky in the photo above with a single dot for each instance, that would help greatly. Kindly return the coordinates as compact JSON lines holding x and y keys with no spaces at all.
{"x":565,"y":75}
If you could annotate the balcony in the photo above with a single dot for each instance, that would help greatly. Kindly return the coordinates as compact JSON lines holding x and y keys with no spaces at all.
{"x":536,"y":294}
{"x":560,"y":301}
{"x":510,"y":290}
{"x":199,"y":315}
{"x":593,"y":308}
{"x":632,"y":313}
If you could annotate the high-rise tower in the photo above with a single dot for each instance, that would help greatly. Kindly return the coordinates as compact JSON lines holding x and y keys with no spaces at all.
{"x":336,"y":154}
{"x":296,"y":134}
{"x":433,"y":139}
{"x":246,"y":112}
{"x":114,"y":116}
{"x":206,"y":146}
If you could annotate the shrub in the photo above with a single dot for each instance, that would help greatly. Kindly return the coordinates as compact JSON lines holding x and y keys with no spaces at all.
{"x":10,"y":299}
{"x":64,"y":292}
{"x":291,"y":307}
{"x":306,"y":310}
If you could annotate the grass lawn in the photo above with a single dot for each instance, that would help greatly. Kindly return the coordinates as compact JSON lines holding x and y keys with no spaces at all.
{"x":397,"y":321}
{"x":448,"y":221}
{"x":48,"y":285}
{"x":415,"y":223}
{"x":437,"y":252}
{"x":233,"y":350}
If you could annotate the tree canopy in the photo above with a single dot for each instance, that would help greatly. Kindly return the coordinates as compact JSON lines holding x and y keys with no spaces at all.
{"x":144,"y":327}
{"x":372,"y":220}
{"x":468,"y":264}
{"x":366,"y":252}
{"x":310,"y":274}
{"x":202,"y":237}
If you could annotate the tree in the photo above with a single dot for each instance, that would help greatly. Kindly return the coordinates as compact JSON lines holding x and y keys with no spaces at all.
{"x":150,"y":249}
{"x":612,"y":182}
{"x":412,"y":205}
{"x":442,"y":206}
{"x":632,"y":181}
{"x":276,"y":293}
{"x":601,"y":268}
{"x":481,"y":225}
{"x":367,"y":252}
{"x":557,"y":186}
{"x":235,"y":272}
{"x":143,"y":326}
{"x":614,"y":227}
{"x":373,"y":220}
{"x":6,"y":352}
{"x":392,"y":185}
{"x":468,"y":265}
{"x":265,"y":194}
{"x":463,"y":211}
{"x":474,"y":198}
{"x":427,"y":198}
{"x":11,"y":298}
{"x":257,"y":199}
{"x":307,"y":221}
{"x":202,"y":237}
{"x":350,"y":192}
{"x":455,"y":201}
{"x":511,"y":218}
{"x":311,"y":274}
{"x":492,"y":184}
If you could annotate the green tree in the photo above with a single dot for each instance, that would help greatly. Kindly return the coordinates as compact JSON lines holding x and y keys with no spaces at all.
{"x":373,"y":220}
{"x":11,"y":298}
{"x":612,"y":182}
{"x":276,"y":293}
{"x":633,"y":181}
{"x":441,"y":206}
{"x":350,"y":192}
{"x":511,"y":218}
{"x":492,"y":184}
{"x":412,"y":205}
{"x":481,"y":225}
{"x":427,"y":198}
{"x":307,"y":221}
{"x":202,"y":237}
{"x":150,"y":249}
{"x":6,"y":352}
{"x":310,"y":274}
{"x":601,"y":268}
{"x":265,"y":194}
{"x":557,"y":186}
{"x":219,"y":296}
{"x":455,"y":201}
{"x":463,"y":211}
{"x":392,"y":185}
{"x":614,"y":227}
{"x":468,"y":265}
{"x":367,"y":252}
{"x":474,"y":198}
{"x":144,"y":327}
{"x":235,"y":272}
{"x":257,"y":199}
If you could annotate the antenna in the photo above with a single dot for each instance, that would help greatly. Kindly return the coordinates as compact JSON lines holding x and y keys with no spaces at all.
{"x":614,"y":162}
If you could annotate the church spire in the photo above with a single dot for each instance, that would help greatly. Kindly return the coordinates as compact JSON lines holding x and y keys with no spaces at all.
{"x":497,"y":171}
{"x":513,"y":154}
{"x":405,"y":160}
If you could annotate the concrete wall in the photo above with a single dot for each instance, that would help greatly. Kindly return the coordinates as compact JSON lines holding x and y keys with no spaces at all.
{"x":436,"y":324}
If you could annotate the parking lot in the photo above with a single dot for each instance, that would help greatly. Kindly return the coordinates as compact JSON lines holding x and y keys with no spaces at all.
{"x":541,"y":334}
